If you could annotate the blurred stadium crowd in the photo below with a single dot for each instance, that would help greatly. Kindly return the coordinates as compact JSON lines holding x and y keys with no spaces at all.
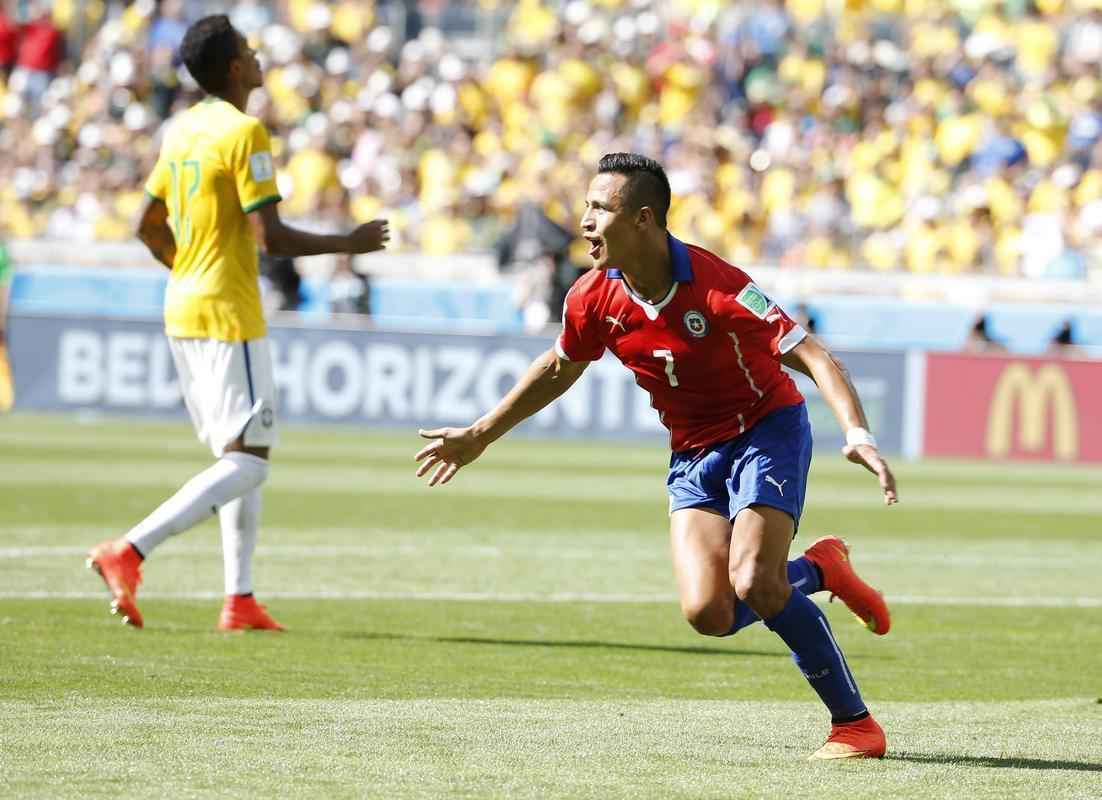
{"x":921,"y":135}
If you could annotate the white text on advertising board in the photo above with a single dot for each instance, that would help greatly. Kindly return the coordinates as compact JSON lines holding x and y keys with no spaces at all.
{"x":380,"y":382}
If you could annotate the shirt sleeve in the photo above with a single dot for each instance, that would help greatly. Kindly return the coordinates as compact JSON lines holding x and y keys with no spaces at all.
{"x":157,"y":185}
{"x":579,"y":340}
{"x":252,"y":168}
{"x":757,"y":317}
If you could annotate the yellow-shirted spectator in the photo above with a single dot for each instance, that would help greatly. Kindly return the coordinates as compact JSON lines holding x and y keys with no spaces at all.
{"x":880,"y":252}
{"x":351,"y":19}
{"x":923,"y":251}
{"x":552,"y":94}
{"x":1008,"y":250}
{"x":289,"y":103}
{"x":311,"y":171}
{"x":778,"y":190}
{"x":1089,"y":187}
{"x":444,"y":233}
{"x":682,"y":83}
{"x":822,"y":252}
{"x":930,"y":39}
{"x":808,"y":73}
{"x":957,"y":137}
{"x":875,"y":202}
{"x":991,"y":95}
{"x":1047,"y":198}
{"x":1037,"y":42}
{"x":962,"y":245}
{"x":631,"y":84}
{"x":532,"y":25}
{"x":508,"y":80}
{"x":474,"y":106}
{"x":1042,"y":132}
{"x":584,"y":79}
{"x":805,"y":11}
{"x":437,"y":175}
{"x":1005,"y":203}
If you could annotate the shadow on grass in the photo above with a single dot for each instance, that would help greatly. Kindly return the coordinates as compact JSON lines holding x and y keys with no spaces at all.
{"x":997,"y":763}
{"x":579,"y":644}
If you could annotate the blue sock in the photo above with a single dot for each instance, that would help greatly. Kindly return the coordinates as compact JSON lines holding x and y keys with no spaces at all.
{"x":802,"y":574}
{"x":807,"y":633}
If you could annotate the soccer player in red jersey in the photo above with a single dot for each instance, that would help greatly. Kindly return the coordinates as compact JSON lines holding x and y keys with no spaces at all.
{"x":708,"y":345}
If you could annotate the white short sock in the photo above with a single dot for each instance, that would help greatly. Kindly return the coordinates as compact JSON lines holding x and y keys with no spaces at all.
{"x":240,"y":521}
{"x":226,"y":479}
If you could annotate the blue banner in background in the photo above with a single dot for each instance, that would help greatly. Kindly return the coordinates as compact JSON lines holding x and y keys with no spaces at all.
{"x":380,"y":378}
{"x":880,"y":381}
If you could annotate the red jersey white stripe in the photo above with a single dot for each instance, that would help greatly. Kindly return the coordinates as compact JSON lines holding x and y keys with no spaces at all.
{"x":708,"y":353}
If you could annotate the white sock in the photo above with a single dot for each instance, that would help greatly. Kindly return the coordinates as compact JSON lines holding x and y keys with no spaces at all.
{"x":228,"y":478}
{"x":240,"y":521}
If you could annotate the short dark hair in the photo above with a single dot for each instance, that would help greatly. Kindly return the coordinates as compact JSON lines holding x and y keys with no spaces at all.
{"x":208,"y":49}
{"x":646,"y":184}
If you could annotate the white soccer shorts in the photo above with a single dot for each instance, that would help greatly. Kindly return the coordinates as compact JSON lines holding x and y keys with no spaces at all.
{"x":228,"y":389}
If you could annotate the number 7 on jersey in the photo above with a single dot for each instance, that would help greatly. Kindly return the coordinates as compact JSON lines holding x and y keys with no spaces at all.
{"x":668,"y":355}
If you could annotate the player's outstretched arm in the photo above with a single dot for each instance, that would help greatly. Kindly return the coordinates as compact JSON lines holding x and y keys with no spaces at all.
{"x":276,"y":238}
{"x":451,"y":448}
{"x":830,"y":375}
{"x":155,"y":233}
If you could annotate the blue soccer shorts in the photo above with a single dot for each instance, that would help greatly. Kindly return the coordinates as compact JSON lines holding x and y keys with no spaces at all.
{"x":767,"y":465}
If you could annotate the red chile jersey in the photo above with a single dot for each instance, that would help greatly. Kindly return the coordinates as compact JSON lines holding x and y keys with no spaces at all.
{"x":708,"y":353}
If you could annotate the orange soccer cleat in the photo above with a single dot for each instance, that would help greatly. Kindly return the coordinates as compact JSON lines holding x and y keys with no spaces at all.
{"x":243,"y":613}
{"x":120,"y":566}
{"x":831,"y":555}
{"x":861,"y":739}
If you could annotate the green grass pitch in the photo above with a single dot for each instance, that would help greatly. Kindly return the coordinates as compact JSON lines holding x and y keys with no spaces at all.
{"x":515,"y":634}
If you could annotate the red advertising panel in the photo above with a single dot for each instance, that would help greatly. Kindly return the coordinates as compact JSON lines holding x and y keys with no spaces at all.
{"x":999,"y":407}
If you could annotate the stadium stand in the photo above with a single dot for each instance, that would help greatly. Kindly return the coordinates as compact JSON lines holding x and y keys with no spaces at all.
{"x":864,"y":138}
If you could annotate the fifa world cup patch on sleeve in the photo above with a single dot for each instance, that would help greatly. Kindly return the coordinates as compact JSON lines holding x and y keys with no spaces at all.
{"x":754,"y":299}
{"x":260,"y":165}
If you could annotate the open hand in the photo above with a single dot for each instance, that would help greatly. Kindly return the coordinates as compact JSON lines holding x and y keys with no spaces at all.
{"x":869,"y":458}
{"x":370,"y":236}
{"x":450,"y":449}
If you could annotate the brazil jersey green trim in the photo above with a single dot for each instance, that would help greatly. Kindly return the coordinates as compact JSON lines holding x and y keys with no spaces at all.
{"x":263,"y":201}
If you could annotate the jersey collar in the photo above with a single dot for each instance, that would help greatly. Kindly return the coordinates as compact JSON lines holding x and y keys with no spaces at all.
{"x":679,"y":254}
{"x":682,"y":272}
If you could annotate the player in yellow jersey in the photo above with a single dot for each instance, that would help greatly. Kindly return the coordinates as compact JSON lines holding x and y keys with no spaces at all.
{"x":212,"y":198}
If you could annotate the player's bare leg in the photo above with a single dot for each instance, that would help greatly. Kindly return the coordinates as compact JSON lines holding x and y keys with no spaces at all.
{"x":759,"y":554}
{"x":700,"y":540}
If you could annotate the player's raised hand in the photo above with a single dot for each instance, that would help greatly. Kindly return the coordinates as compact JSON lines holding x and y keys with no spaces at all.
{"x":869,"y":458}
{"x":450,"y":449}
{"x":370,"y":236}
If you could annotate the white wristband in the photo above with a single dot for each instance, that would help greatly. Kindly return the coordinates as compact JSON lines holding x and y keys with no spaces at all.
{"x":856,"y":436}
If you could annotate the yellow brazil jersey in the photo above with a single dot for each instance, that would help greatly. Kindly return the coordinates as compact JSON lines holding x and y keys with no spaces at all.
{"x":215,"y":166}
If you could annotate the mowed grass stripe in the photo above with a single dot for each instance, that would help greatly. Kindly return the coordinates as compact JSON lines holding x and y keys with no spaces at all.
{"x":24,"y":433}
{"x":500,"y":562}
{"x":485,"y":483}
{"x":63,"y":541}
{"x":510,"y":748}
{"x":1016,"y":601}
{"x":409,"y":649}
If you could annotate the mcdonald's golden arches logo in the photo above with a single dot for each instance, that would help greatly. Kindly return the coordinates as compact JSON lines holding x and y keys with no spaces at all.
{"x":1033,"y":392}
